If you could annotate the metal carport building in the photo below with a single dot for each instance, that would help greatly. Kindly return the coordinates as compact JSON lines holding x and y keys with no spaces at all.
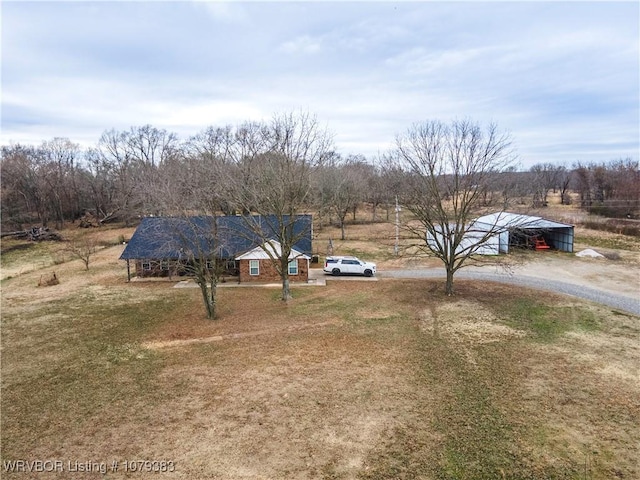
{"x":513,"y":229}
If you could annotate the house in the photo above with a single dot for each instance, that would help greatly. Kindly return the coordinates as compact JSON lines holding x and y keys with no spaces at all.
{"x":167,"y":246}
{"x":256,"y":265}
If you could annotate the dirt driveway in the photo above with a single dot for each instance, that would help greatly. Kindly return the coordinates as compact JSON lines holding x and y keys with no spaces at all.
{"x":616,"y":276}
{"x":610,"y":282}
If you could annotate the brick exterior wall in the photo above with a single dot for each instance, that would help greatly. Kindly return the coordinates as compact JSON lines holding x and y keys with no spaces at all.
{"x":268,"y":272}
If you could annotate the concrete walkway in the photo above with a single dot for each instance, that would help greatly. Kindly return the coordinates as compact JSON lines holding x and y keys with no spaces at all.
{"x":319,"y":275}
{"x":320,"y":282}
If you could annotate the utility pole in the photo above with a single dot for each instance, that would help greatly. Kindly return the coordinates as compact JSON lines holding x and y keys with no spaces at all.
{"x":396,"y":248}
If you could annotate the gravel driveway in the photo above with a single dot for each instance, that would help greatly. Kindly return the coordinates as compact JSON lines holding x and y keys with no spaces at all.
{"x":625,"y":302}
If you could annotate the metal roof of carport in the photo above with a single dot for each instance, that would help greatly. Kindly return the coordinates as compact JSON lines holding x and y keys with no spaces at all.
{"x":509,"y":220}
{"x":503,"y":224}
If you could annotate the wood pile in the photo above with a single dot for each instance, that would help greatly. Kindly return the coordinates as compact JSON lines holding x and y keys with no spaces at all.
{"x":48,"y":280}
{"x":89,"y":221}
{"x":35,"y":234}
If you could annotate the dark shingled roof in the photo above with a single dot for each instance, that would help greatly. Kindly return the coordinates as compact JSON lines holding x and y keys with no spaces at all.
{"x":177,"y":237}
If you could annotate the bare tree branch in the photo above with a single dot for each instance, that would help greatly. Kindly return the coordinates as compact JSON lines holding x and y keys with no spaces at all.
{"x":273,"y":179}
{"x":449,"y":167}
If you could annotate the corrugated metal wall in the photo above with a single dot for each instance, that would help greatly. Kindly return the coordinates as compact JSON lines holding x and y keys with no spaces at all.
{"x":560,"y":238}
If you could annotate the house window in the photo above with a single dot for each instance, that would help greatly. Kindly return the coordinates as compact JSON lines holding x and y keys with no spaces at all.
{"x":146,"y":265}
{"x":293,"y":267}
{"x":254,"y":267}
{"x":165,"y":265}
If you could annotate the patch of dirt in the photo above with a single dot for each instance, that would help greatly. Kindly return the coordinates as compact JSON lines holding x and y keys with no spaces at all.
{"x":616,"y":356}
{"x":375,"y":313}
{"x":157,"y":345}
{"x":465,"y":321}
{"x":466,"y":324}
{"x":620,"y":277}
{"x":587,"y":388}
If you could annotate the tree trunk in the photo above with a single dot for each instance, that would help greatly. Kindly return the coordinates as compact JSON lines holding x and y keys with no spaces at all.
{"x":342,"y":237}
{"x":208,"y":296}
{"x":205,"y":297}
{"x":449,"y":285}
{"x":212,"y":298}
{"x":564,"y":200}
{"x":286,"y":289}
{"x":284,"y":274}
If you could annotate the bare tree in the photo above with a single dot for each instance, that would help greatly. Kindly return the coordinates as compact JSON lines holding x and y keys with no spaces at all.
{"x":394,"y":181}
{"x":273,"y":180}
{"x":608,"y":188}
{"x":546,"y":176}
{"x":82,"y":249}
{"x":582,"y":183}
{"x":23,"y":186}
{"x":214,"y":151}
{"x":343,"y":188}
{"x":131,"y":161}
{"x":200,"y":244}
{"x":511,"y":186}
{"x":375,"y":192}
{"x":564,"y":180}
{"x":450,"y":166}
{"x":102,"y":186}
{"x":44,"y":179}
{"x":149,"y":148}
{"x":190,"y":189}
{"x":113,"y":166}
{"x":60,"y":157}
{"x":626,"y":180}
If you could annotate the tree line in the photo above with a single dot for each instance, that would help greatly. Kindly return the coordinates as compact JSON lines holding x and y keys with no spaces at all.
{"x":120,"y":177}
{"x":444,"y":174}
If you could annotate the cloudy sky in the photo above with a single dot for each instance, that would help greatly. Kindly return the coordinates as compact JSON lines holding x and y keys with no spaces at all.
{"x":562,"y":78}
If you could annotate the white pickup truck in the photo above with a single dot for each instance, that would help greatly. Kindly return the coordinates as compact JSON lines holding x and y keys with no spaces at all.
{"x":349,"y":265}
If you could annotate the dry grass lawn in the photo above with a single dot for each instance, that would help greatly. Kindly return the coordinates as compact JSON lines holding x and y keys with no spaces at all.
{"x":375,"y":380}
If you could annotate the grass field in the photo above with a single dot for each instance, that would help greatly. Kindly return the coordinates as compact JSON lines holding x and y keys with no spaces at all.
{"x":378,"y":380}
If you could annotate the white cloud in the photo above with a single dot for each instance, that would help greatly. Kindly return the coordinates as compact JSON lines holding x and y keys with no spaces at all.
{"x":223,"y":11}
{"x":190,"y":119}
{"x":304,"y":45}
{"x":563,"y":77}
{"x":422,"y":61}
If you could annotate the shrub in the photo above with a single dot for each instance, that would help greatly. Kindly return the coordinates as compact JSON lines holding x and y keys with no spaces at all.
{"x":614,"y":226}
{"x":611,"y":255}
